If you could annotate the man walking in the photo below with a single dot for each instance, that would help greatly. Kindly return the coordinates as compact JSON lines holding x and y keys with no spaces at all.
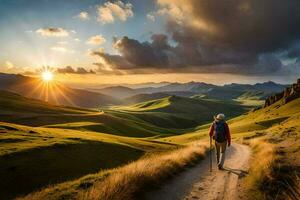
{"x":219,"y":131}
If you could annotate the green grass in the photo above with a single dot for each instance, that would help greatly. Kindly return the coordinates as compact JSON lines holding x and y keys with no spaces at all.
{"x":53,"y":155}
{"x":274,"y":135}
{"x":52,"y":139}
{"x":35,"y":168}
{"x":11,"y":103}
{"x":272,"y":119}
{"x":181,"y":112}
{"x":163,"y":117}
{"x":128,"y":181}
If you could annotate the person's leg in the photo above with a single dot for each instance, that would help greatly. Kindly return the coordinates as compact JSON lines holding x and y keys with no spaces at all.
{"x":222,"y":156}
{"x":217,"y":151}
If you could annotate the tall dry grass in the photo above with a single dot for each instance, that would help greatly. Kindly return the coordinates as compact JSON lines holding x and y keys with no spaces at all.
{"x":264,"y":157}
{"x":270,"y":176}
{"x":129,"y":182}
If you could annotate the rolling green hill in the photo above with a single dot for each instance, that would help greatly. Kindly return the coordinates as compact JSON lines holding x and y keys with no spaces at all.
{"x":273,"y":119}
{"x":22,"y":110}
{"x":43,"y":140}
{"x":33,"y":157}
{"x":13,"y":104}
{"x":181,"y":112}
{"x":166,"y":116}
{"x":57,"y":144}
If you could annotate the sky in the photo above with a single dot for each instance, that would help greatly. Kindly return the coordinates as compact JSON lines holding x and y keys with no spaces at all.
{"x":135,"y":41}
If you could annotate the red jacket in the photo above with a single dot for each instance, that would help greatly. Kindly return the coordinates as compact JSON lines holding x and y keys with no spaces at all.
{"x":228,"y":136}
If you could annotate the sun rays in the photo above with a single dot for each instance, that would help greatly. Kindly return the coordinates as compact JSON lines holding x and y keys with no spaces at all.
{"x":47,"y":88}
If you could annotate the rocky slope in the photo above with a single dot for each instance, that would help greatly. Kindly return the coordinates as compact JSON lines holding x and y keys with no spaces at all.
{"x":289,"y":94}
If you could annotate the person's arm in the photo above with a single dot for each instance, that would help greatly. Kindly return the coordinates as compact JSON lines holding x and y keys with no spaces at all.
{"x":211,"y":130}
{"x":228,"y":136}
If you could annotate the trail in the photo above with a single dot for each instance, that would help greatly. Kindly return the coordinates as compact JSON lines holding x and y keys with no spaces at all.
{"x":198,"y":183}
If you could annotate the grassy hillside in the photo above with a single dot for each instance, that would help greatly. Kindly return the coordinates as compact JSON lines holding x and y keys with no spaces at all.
{"x":56,"y":144}
{"x":60,"y":144}
{"x":22,"y":110}
{"x":144,"y":97}
{"x":12,"y":104}
{"x":181,"y":112}
{"x":117,"y":91}
{"x":53,"y":155}
{"x":273,"y":133}
{"x":254,"y":123}
{"x":83,"y":142}
{"x":161,"y":117}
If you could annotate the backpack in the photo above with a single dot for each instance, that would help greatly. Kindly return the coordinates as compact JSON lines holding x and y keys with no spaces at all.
{"x":219,"y":131}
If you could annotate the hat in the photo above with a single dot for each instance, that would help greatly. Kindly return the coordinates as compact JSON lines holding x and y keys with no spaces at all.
{"x":220,"y":116}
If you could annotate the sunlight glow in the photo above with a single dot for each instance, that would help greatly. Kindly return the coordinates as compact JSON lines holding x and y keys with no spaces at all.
{"x":47,"y":76}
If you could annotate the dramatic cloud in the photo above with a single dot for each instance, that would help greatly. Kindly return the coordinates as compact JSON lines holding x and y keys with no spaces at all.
{"x":212,"y":36}
{"x":108,"y":12}
{"x":52,"y":32}
{"x":84,"y":16}
{"x":71,"y":70}
{"x":96,"y":40}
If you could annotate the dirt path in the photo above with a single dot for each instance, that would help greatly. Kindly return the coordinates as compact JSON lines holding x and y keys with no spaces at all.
{"x":199,"y":183}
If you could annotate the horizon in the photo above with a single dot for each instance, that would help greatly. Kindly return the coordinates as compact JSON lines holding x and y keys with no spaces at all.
{"x":123,"y":42}
{"x":150,"y":83}
{"x":122,"y":99}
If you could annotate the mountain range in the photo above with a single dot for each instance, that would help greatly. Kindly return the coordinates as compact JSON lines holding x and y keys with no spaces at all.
{"x":226,"y":92}
{"x":57,"y":93}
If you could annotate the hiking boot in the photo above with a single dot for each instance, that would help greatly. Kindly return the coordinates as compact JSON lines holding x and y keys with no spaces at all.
{"x":220,"y":167}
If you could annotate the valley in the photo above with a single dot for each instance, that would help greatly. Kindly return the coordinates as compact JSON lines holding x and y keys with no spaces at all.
{"x":71,"y":147}
{"x":149,"y":100}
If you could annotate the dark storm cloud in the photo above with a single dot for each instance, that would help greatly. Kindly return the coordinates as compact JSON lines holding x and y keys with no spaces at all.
{"x":71,"y":70}
{"x":232,"y":36}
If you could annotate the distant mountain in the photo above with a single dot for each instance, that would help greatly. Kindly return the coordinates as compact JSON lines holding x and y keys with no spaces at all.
{"x":270,"y":86}
{"x":144,"y":97}
{"x":147,"y":97}
{"x":257,"y":91}
{"x":90,"y":86}
{"x":60,"y":94}
{"x":190,"y":89}
{"x":190,"y":86}
{"x":224,"y":93}
{"x":54,"y":93}
{"x":118,"y":91}
{"x":227,"y":92}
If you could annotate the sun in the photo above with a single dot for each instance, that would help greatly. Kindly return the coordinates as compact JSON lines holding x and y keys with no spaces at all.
{"x":47,"y":76}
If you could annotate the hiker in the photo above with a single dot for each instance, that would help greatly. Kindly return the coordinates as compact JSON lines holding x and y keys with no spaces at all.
{"x":219,"y":131}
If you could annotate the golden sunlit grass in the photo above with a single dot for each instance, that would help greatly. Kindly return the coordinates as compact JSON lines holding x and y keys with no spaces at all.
{"x":260,"y":167}
{"x":130,"y":181}
{"x":271,"y":175}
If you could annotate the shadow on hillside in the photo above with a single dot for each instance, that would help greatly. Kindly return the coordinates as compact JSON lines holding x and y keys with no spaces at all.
{"x":30,"y":170}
